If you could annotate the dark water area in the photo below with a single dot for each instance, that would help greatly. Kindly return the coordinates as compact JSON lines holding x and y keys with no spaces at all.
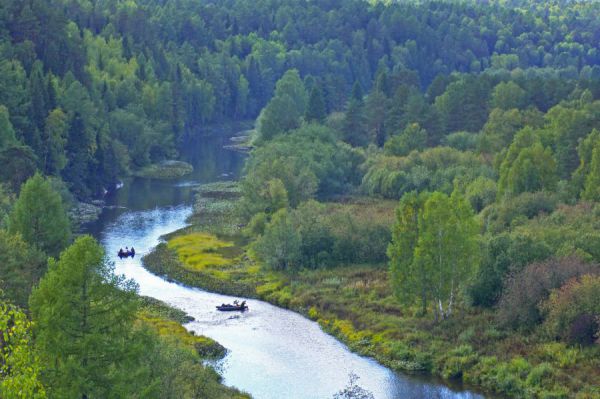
{"x":273,"y":353}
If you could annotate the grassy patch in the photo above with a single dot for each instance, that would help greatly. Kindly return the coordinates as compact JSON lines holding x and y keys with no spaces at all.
{"x":199,"y":251}
{"x":165,"y":170}
{"x":215,"y":209}
{"x":166,"y":321}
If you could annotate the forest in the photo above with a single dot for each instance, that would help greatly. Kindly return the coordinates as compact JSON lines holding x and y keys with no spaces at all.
{"x":424,"y":181}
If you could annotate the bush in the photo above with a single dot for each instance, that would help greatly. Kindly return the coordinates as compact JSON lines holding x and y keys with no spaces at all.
{"x":525,"y":290}
{"x":503,"y":253}
{"x":433,"y":169}
{"x":573,"y":310}
{"x":500,"y":216}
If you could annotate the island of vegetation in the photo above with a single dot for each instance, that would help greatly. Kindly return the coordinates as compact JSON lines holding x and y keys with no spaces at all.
{"x":423,"y":181}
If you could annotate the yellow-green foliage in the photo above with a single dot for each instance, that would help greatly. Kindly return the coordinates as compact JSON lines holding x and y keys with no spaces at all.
{"x":559,"y":354}
{"x":172,"y":330}
{"x":200,"y":250}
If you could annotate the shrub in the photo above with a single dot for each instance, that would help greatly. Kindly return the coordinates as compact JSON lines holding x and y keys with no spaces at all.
{"x":526,"y":289}
{"x":500,"y":216}
{"x":573,"y":310}
{"x":503,"y":253}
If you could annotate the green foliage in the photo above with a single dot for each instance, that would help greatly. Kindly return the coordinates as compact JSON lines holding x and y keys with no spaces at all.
{"x":585,"y":151}
{"x":409,"y":278}
{"x":463,"y":106}
{"x":279,"y":246}
{"x":89,"y":348}
{"x":508,"y":95}
{"x":502,"y":125}
{"x":591,"y":187}
{"x":504,"y":253}
{"x":55,"y":138}
{"x":307,"y":161}
{"x":285,"y":109}
{"x":412,"y":138}
{"x":481,"y":192}
{"x":6,"y":202}
{"x":18,"y":165}
{"x":20,"y":366}
{"x":7,"y":133}
{"x":433,"y":169}
{"x":22,"y":267}
{"x":527,"y":166}
{"x":501,"y":215}
{"x":315,"y":110}
{"x":463,"y":141}
{"x":39,"y":217}
{"x":434,"y":249}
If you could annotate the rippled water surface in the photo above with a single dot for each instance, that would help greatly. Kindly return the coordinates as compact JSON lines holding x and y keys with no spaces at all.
{"x":272,"y":353}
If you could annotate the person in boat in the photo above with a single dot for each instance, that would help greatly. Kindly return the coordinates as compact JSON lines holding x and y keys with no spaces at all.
{"x":132,"y":252}
{"x":243,"y":304}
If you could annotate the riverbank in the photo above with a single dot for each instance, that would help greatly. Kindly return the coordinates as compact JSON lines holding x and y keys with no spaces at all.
{"x":167,"y":322}
{"x":355,"y":304}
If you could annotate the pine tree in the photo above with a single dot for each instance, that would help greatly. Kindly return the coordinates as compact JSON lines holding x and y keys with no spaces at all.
{"x":315,"y":110}
{"x":84,"y":317}
{"x":39,"y":95}
{"x":354,"y":125}
{"x":7,"y":133}
{"x":79,"y":157}
{"x":39,"y":217}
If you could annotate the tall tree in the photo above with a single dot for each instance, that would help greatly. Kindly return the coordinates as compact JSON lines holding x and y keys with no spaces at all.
{"x":434,"y":251}
{"x":410,"y":279}
{"x":7,"y":133}
{"x":279,"y":246}
{"x":79,"y":150}
{"x":84,"y":316}
{"x":315,"y":110}
{"x":591,"y":188}
{"x":527,"y":166}
{"x":39,"y":217}
{"x":354,"y":127}
{"x":55,"y":138}
{"x":22,"y":267}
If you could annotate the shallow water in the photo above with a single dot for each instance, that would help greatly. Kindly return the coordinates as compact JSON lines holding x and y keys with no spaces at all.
{"x":272,"y":353}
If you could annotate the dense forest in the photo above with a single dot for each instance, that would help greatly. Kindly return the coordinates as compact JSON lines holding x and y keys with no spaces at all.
{"x":443,"y":154}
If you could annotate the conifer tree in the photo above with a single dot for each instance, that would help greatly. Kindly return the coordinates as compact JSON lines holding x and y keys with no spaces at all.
{"x":7,"y":133}
{"x":315,"y":110}
{"x":84,"y":317}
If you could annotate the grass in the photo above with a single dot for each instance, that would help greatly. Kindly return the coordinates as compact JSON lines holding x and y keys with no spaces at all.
{"x":200,"y":251}
{"x":166,"y":321}
{"x":165,"y":170}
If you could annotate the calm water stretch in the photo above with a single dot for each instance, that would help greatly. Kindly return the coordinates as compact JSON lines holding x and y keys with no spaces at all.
{"x":273,"y":353}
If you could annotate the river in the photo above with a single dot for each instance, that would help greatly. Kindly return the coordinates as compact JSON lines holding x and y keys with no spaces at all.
{"x":273,"y":353}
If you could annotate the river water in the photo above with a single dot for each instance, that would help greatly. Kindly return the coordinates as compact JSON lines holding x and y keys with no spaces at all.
{"x":272,"y":353}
